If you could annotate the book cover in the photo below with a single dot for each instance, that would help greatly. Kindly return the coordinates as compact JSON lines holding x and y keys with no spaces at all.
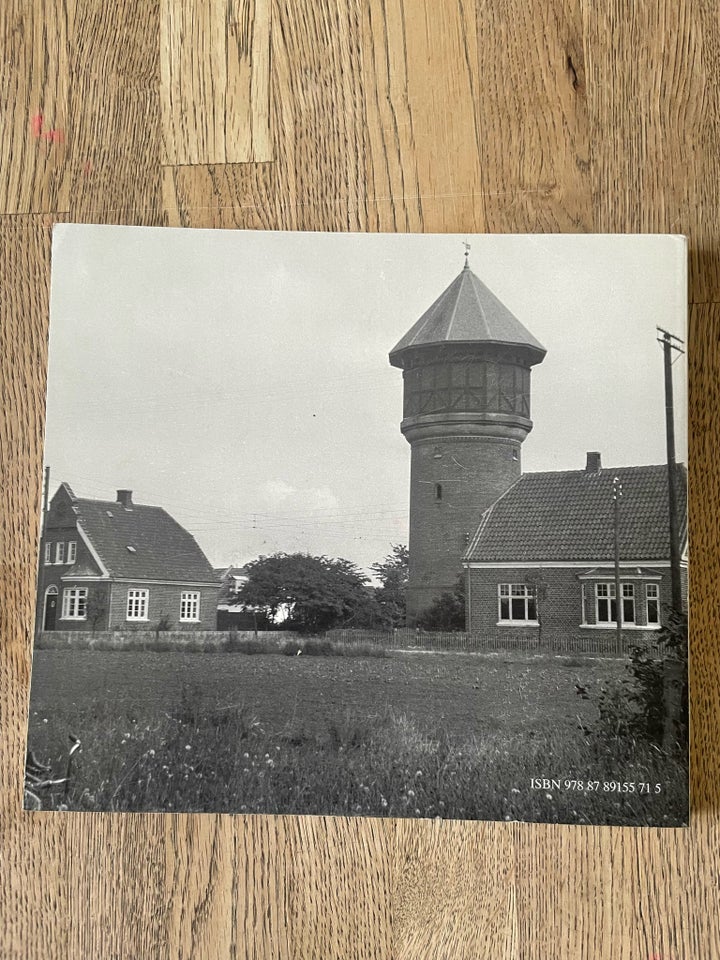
{"x":364,"y":525}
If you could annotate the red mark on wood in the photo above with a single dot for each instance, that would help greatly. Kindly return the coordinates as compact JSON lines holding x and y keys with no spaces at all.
{"x":51,"y":136}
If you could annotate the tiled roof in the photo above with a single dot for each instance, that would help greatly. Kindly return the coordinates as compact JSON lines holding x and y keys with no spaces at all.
{"x":467,"y":311}
{"x":160,"y":548}
{"x":568,"y":515}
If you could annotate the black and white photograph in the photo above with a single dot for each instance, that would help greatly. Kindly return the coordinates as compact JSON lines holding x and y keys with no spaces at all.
{"x":374,"y":525}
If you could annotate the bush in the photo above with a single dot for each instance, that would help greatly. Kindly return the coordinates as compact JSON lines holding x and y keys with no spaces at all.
{"x":636,"y":706}
{"x":447,"y":613}
{"x":326,"y":648}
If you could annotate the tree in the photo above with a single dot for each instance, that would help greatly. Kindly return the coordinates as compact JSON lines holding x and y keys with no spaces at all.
{"x":95,"y":609}
{"x":448,"y":611}
{"x":391,"y":594}
{"x":315,"y":593}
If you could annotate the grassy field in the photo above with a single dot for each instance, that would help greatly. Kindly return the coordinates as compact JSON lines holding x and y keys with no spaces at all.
{"x":421,"y":734}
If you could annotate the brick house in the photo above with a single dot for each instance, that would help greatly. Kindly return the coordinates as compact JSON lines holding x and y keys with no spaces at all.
{"x":543,"y":555}
{"x":118,"y":565}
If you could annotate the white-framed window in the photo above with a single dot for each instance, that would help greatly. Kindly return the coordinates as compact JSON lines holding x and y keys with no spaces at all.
{"x":606,"y":607}
{"x":628,"y":609}
{"x":74,"y":605}
{"x":605,"y":602}
{"x":71,"y":552}
{"x":48,"y":554}
{"x":516,"y":603}
{"x":190,"y":606}
{"x":652,"y":604}
{"x":137,"y":605}
{"x":60,"y":552}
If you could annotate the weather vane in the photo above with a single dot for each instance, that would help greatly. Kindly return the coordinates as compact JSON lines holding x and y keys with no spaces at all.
{"x":467,"y":252}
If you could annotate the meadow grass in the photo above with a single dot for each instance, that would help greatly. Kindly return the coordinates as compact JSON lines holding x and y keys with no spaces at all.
{"x":381,"y":765}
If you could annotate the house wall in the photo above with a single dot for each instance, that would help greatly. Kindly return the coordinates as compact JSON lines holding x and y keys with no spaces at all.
{"x":560,"y":611}
{"x":60,"y":528}
{"x":163,"y":601}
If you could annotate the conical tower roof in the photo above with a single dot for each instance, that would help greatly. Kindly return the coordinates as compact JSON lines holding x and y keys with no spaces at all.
{"x":468,"y":312}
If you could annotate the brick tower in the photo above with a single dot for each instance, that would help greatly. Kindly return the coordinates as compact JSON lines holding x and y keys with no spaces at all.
{"x":466,"y":376}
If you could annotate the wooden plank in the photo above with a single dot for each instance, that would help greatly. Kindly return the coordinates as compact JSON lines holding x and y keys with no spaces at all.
{"x":655,"y":108}
{"x":454,"y":891}
{"x":214,"y":81}
{"x":115,"y":113}
{"x":34,"y":74}
{"x":319,"y":136}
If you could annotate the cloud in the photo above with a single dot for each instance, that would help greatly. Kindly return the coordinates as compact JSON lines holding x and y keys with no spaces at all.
{"x":321,"y":498}
{"x":277,"y":491}
{"x":299,"y":500}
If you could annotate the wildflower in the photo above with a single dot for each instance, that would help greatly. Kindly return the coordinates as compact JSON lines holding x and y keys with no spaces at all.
{"x":514,"y":790}
{"x":548,"y":796}
{"x":44,"y":719}
{"x":246,"y":756}
{"x":411,"y":793}
{"x":417,"y":812}
{"x":418,"y":773}
{"x":188,"y":747}
{"x":383,"y":802}
{"x":270,"y":762}
{"x":151,"y":753}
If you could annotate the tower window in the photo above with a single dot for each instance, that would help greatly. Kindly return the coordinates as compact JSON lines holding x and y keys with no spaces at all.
{"x":438,"y":491}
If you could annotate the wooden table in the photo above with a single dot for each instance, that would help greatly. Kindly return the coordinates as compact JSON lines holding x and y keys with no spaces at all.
{"x":430,"y":115}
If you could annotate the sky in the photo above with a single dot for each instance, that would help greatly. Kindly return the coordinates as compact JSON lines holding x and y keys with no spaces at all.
{"x":240,"y":379}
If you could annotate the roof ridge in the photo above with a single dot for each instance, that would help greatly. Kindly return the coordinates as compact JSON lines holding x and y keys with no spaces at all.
{"x":461,"y":279}
{"x":116,"y":503}
{"x":602,"y":471}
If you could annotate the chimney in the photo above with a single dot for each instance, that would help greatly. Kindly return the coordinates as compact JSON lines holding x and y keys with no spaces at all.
{"x":593,"y":464}
{"x":124,"y":497}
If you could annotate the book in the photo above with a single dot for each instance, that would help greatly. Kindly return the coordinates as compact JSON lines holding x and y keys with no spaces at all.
{"x":364,"y":524}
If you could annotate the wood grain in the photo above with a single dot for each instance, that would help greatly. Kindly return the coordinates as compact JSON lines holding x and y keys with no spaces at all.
{"x":214,"y":80}
{"x":380,"y":115}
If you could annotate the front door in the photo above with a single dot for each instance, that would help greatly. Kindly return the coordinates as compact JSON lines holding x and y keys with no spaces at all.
{"x":50,"y":611}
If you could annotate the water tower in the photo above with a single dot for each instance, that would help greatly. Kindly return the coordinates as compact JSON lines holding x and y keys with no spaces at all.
{"x":466,"y":411}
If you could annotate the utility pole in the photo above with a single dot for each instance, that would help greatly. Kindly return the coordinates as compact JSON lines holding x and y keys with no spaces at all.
{"x":40,"y":591}
{"x":617,"y":497}
{"x":674,"y":677}
{"x":46,"y":496}
{"x":669,"y":343}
